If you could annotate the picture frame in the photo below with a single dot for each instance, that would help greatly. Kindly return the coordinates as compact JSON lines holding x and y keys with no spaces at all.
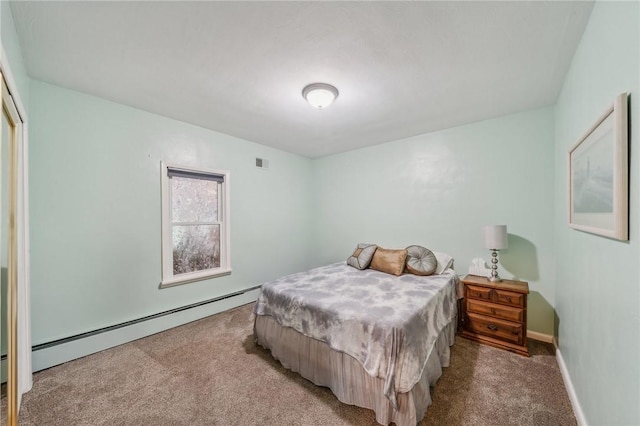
{"x":599,"y":175}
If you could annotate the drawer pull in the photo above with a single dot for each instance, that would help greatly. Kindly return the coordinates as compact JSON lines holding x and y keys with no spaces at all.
{"x":509,"y":299}
{"x":492,"y":327}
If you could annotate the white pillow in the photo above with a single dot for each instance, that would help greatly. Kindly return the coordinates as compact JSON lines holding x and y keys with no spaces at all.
{"x":444,"y":262}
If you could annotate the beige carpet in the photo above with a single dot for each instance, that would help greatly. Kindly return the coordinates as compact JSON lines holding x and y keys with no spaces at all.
{"x":210,"y":372}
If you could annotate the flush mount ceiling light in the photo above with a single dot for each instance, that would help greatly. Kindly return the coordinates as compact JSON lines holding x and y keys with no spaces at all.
{"x":319,"y":95}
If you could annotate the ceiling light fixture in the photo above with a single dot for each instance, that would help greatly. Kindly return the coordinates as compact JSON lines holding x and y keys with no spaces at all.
{"x":320,"y":95}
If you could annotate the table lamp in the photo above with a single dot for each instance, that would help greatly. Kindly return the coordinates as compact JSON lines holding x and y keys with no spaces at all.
{"x":495,"y":239}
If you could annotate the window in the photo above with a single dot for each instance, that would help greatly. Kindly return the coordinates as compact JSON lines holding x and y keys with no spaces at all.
{"x":195,"y":224}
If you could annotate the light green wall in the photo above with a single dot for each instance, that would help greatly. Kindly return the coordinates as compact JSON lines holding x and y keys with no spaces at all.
{"x":95,"y":211}
{"x":439,"y":189}
{"x":598,"y":281}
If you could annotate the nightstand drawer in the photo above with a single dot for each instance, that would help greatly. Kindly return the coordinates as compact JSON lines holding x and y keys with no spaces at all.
{"x":504,"y":330}
{"x":475,"y":292}
{"x":499,"y":311}
{"x":509,"y":298}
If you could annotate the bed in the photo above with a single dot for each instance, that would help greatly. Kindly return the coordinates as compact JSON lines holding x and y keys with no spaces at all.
{"x":377,"y":340}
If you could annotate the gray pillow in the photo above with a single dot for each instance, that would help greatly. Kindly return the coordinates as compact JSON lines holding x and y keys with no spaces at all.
{"x":361,"y":257}
{"x":420,"y":261}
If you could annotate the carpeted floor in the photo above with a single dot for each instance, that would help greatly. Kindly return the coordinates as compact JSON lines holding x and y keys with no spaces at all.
{"x":210,"y":372}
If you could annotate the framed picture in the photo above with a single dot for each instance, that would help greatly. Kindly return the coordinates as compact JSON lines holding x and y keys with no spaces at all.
{"x":599,"y":175}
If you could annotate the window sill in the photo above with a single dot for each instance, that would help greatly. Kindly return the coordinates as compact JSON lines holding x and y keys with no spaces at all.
{"x":198,"y":276}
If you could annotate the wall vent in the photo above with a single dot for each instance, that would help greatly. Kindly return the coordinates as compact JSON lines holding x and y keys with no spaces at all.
{"x":262,"y":163}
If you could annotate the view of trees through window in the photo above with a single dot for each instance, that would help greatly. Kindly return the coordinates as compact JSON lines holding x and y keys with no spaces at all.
{"x":195,"y":224}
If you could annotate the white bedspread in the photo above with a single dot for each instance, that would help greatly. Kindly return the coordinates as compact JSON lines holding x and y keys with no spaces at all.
{"x":388,"y":323}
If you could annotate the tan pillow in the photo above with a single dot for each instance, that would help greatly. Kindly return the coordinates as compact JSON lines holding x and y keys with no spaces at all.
{"x":389,"y":261}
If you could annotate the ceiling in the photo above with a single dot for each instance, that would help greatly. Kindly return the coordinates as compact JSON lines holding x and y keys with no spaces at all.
{"x":402,"y":68}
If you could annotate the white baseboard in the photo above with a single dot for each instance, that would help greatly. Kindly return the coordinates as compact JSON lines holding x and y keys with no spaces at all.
{"x":568,"y":384}
{"x":541,"y":337}
{"x":64,"y":352}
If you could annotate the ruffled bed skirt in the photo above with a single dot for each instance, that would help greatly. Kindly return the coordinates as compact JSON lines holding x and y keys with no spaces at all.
{"x":350,"y":383}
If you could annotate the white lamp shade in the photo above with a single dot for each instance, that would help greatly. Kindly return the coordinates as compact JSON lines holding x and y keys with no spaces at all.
{"x":495,"y":237}
{"x":320,"y":95}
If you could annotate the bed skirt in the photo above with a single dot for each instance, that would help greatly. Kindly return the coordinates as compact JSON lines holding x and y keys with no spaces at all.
{"x":350,"y":383}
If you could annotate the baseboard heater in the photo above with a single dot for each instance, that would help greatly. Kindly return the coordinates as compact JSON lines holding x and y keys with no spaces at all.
{"x":136,"y":321}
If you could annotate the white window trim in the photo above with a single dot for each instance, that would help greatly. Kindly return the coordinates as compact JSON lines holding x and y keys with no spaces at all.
{"x":168,"y":279}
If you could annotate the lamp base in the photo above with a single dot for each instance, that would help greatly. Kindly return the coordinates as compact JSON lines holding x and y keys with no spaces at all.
{"x":494,"y":278}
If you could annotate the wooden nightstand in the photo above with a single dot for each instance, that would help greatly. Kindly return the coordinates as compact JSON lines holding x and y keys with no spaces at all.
{"x":496,"y":313}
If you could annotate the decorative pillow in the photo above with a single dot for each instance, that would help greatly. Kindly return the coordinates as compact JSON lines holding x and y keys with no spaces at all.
{"x":444,"y":262}
{"x":361,"y":258}
{"x":420,"y":261}
{"x":389,"y":261}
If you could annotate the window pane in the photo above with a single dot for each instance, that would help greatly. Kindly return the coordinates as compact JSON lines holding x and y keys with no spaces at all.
{"x":194,"y":200}
{"x":195,"y":248}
